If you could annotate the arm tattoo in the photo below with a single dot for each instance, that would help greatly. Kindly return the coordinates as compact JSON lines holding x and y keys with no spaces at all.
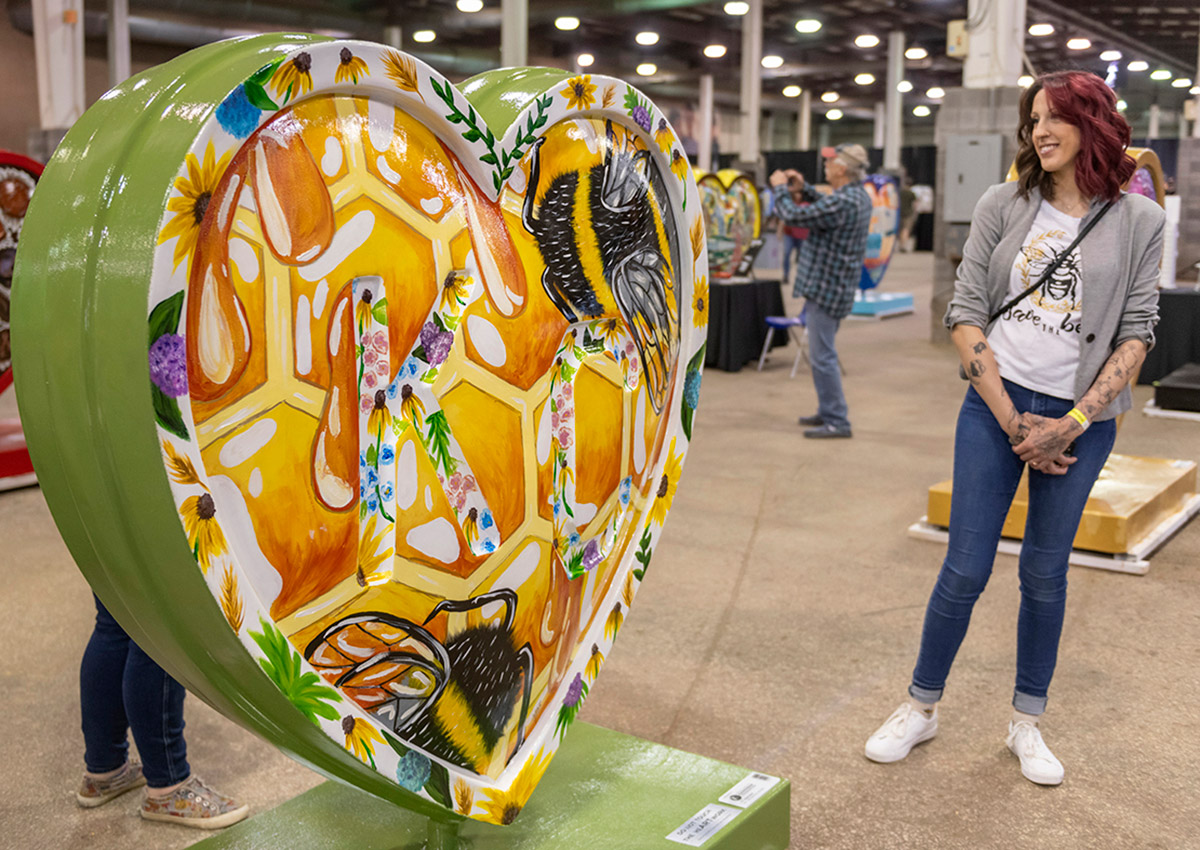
{"x":1117,"y":372}
{"x":976,"y":370}
{"x":980,"y":347}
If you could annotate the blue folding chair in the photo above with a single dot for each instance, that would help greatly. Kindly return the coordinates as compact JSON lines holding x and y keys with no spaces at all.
{"x":800,"y":337}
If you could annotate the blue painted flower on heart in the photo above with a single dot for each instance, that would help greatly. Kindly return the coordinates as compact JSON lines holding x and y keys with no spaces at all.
{"x":691,"y":390}
{"x":413,"y":771}
{"x":624,"y":491}
{"x":387,"y":456}
{"x":237,"y":115}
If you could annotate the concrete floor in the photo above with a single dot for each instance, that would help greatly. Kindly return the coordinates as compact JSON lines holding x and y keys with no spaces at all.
{"x":777,"y":629}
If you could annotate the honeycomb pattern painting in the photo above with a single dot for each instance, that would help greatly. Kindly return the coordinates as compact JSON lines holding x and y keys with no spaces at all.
{"x":423,"y":396}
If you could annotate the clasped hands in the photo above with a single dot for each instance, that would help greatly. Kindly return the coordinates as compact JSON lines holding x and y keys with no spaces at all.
{"x":782,"y":177}
{"x":1042,"y":442}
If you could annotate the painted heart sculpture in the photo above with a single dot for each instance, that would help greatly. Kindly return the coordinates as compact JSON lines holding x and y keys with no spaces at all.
{"x":18,"y":178}
{"x":732,"y":216}
{"x":885,"y":224}
{"x":362,"y":398}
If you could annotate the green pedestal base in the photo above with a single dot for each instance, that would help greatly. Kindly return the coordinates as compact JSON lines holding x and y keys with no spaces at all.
{"x":603,"y":791}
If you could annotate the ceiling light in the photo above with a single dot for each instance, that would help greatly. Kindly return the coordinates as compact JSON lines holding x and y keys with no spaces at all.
{"x":834,"y":115}
{"x":935,"y":93}
{"x":1161,"y":74}
{"x":714,"y":51}
{"x":1122,"y":106}
{"x":1138,"y":65}
{"x":1194,"y":90}
{"x":772,"y":61}
{"x":646,"y":38}
{"x":647,"y":69}
{"x":922,"y":111}
{"x":1041,"y":29}
{"x":470,"y":6}
{"x":866,"y":41}
{"x":808,"y":25}
{"x":583,"y":60}
{"x":1024,"y":81}
{"x":736,"y":7}
{"x":904,"y":87}
{"x":424,"y":36}
{"x":791,"y":91}
{"x":864,"y":79}
{"x":830,"y":97}
{"x":1078,"y":43}
{"x":916,"y":53}
{"x":1181,"y":83}
{"x":567,"y":22}
{"x":1110,"y":55}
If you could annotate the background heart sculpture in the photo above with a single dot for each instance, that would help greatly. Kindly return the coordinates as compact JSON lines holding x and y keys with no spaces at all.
{"x":732,"y":216}
{"x":361,"y":399}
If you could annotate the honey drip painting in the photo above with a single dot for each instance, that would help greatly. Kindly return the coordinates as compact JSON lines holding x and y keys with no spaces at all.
{"x":423,"y":395}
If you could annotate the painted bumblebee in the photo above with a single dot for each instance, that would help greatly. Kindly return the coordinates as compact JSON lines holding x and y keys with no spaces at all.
{"x":455,"y":700}
{"x":602,"y":233}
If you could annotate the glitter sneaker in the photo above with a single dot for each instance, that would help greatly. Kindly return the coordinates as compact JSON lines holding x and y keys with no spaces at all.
{"x":907,"y":727}
{"x":97,"y":792}
{"x":1038,"y":764}
{"x":196,"y":805}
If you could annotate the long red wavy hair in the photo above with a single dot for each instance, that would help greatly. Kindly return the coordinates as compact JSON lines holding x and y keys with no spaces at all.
{"x":1084,"y":101}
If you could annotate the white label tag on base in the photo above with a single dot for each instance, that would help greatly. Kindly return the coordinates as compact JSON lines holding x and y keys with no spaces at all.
{"x":749,"y":790}
{"x":703,"y":825}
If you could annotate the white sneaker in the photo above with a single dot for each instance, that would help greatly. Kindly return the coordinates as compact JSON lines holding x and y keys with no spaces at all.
{"x":907,"y":727}
{"x":1038,"y":764}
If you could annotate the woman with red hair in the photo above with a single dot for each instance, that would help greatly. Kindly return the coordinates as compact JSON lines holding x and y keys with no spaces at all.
{"x":1051,"y":328}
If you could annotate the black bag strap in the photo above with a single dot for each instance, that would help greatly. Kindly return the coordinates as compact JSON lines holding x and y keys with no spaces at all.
{"x":1053,"y":267}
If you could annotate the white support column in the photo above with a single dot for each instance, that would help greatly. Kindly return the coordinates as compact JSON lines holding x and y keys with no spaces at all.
{"x":751,"y":82}
{"x":514,"y":33}
{"x":1155,"y":119}
{"x":893,"y":138}
{"x":704,"y":127}
{"x":804,"y":121}
{"x":58,"y":51}
{"x":880,"y":124}
{"x":994,"y":46}
{"x":118,"y":41}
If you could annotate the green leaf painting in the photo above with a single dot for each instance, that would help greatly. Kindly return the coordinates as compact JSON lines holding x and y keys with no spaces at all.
{"x":282,"y":664}
{"x":643,"y":555}
{"x":164,"y":318}
{"x":437,"y":440}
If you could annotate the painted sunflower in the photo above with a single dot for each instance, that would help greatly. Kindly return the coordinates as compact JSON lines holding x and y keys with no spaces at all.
{"x":502,"y":807}
{"x":362,"y":310}
{"x":203,"y":531}
{"x":400,"y":70}
{"x":700,"y":303}
{"x":580,"y":92}
{"x":350,"y":68}
{"x":454,"y":291}
{"x":595,"y":662}
{"x":189,"y":206}
{"x":369,"y":556}
{"x":293,"y":78}
{"x":470,"y":526}
{"x":663,"y":135}
{"x":667,"y":485}
{"x":679,"y":164}
{"x":361,"y":738}
{"x":380,"y":417}
{"x":411,"y":408}
{"x":610,"y":331}
{"x":613,"y":624}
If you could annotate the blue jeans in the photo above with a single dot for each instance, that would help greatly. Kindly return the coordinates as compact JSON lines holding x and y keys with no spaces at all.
{"x":826,"y":372}
{"x":122,"y":689}
{"x":986,"y":472}
{"x":790,"y":245}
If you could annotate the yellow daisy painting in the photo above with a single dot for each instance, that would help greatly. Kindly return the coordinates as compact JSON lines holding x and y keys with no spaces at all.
{"x":350,"y":68}
{"x":293,"y":78}
{"x":580,"y":92}
{"x":360,"y":738}
{"x":664,"y":494}
{"x":203,"y":532}
{"x":190,"y":205}
{"x":502,"y":807}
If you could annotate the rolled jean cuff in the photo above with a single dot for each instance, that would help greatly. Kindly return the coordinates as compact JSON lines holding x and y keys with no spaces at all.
{"x":924,"y":695}
{"x":1027,"y":704}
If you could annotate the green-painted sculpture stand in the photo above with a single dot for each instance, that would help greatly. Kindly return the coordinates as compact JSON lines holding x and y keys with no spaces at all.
{"x":604,"y":791}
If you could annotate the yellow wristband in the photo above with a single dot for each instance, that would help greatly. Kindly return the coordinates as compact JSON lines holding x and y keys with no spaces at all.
{"x":1078,"y":416}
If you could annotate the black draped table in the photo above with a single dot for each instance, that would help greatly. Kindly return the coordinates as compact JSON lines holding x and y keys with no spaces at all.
{"x":1177,"y":337}
{"x":737,"y":321}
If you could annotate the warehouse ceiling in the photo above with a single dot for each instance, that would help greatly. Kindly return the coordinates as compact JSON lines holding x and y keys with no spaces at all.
{"x":1163,"y":33}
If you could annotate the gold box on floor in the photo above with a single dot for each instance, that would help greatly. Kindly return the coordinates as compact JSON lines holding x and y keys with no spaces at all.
{"x":1131,"y":498}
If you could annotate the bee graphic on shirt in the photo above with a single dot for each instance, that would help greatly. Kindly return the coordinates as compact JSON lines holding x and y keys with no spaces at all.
{"x":603,"y":236}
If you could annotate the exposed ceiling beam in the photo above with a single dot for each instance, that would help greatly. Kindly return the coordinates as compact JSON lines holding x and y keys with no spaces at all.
{"x":1118,"y":38}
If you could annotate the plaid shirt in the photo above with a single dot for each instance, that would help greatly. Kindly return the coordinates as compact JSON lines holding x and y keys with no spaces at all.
{"x":830,"y":262}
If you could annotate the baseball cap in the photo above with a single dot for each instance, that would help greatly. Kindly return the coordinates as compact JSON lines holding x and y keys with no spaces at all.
{"x":852,"y":156}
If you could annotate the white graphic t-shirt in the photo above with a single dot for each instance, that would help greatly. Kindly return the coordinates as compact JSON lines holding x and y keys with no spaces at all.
{"x":1036,"y":342}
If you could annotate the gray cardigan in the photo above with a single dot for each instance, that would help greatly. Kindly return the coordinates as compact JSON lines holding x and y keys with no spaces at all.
{"x":1120,"y":259}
